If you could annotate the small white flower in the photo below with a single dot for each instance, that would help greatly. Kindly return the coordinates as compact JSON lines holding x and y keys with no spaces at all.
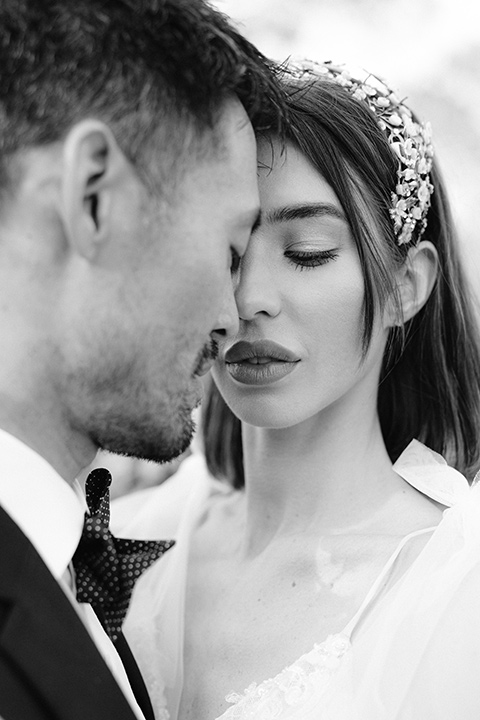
{"x":395,"y":119}
{"x":424,"y":192}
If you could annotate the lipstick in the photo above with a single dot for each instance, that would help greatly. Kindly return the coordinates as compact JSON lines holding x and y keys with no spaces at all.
{"x":261,"y":362}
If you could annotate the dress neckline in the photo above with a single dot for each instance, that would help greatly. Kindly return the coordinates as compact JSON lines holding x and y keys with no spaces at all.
{"x":427,"y":472}
{"x":314,"y":668}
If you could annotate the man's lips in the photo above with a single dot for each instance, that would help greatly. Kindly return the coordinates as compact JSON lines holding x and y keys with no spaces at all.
{"x":206,"y":359}
{"x":259,"y":352}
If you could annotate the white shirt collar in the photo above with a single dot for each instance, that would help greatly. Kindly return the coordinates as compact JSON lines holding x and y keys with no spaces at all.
{"x":46,"y":508}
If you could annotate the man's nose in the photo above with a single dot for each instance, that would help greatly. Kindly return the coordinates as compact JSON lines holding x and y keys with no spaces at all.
{"x":228,"y":323}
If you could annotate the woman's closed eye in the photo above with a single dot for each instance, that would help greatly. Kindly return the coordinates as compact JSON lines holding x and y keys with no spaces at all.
{"x":306,"y":259}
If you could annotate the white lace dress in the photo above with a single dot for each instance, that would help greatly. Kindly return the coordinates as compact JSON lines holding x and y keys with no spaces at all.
{"x":412,"y":653}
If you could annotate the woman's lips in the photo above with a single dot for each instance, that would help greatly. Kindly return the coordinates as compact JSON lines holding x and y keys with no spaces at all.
{"x":244,"y":350}
{"x":259,"y":363}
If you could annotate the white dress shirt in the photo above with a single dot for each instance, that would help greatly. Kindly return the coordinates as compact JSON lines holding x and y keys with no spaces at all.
{"x":50,"y":513}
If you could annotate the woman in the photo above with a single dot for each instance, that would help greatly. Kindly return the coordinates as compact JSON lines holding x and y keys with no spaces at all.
{"x":323,"y":578}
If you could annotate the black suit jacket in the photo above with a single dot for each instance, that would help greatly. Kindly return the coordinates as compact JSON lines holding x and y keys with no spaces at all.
{"x":50,"y":669}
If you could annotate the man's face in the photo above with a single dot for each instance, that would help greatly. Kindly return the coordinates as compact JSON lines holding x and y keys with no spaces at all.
{"x":161,"y":292}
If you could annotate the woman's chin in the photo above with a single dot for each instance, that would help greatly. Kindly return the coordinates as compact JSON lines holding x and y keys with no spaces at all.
{"x":272,"y":418}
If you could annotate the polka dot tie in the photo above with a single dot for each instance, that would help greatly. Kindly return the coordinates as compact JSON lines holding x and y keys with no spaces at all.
{"x":107,"y":567}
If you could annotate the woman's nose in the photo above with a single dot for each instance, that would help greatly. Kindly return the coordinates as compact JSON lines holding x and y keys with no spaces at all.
{"x":257,"y":286}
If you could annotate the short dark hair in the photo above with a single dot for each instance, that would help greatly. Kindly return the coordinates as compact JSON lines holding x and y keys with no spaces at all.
{"x":430,"y":380}
{"x":136,"y":64}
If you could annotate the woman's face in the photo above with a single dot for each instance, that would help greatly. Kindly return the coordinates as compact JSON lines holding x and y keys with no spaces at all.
{"x":299,"y":294}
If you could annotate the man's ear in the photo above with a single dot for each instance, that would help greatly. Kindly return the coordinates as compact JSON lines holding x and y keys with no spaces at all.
{"x":415,"y":281}
{"x":94,"y":169}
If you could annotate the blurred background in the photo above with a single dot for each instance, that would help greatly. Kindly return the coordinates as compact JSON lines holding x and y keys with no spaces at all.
{"x":428,"y":50}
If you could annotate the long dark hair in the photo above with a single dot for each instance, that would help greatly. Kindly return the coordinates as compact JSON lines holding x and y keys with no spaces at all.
{"x":430,"y":380}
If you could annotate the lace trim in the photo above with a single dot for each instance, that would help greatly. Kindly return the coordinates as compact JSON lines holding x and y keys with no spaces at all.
{"x":294,"y":685}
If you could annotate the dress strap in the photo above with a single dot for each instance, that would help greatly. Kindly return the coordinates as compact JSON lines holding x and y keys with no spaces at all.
{"x":381,"y":577}
{"x":428,"y":473}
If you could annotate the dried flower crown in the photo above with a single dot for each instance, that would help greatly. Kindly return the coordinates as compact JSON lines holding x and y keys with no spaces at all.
{"x":411,"y":142}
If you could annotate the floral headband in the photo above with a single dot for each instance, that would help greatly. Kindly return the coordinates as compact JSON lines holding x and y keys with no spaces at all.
{"x":410,"y":141}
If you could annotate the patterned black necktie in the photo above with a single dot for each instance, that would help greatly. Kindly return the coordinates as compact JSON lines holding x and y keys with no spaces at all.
{"x":107,"y":567}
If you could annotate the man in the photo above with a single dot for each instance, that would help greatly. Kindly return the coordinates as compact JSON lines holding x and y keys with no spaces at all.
{"x":128,"y":189}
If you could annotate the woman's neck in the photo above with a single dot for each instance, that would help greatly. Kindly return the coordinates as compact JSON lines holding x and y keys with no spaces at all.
{"x":327,"y":475}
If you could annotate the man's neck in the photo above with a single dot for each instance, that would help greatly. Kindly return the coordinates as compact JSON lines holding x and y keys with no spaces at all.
{"x":45,"y":433}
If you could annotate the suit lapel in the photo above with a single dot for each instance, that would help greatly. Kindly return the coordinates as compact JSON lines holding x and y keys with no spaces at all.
{"x":45,"y":639}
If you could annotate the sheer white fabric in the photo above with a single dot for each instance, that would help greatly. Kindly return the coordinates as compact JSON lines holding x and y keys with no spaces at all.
{"x":410,"y":653}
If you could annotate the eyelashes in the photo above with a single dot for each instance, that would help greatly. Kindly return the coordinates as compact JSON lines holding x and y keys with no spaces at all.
{"x":305,"y":260}
{"x":300,"y":259}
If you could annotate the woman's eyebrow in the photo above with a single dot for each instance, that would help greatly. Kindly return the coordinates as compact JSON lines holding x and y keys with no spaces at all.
{"x":302,"y":211}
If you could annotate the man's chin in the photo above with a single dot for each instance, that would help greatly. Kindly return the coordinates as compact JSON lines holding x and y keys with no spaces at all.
{"x":159,"y":443}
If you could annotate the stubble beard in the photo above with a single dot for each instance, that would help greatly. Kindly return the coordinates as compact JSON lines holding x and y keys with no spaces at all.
{"x":158,"y":435}
{"x":127,"y":418}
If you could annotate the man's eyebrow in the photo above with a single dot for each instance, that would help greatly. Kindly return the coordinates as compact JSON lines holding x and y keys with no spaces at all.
{"x":303,"y":211}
